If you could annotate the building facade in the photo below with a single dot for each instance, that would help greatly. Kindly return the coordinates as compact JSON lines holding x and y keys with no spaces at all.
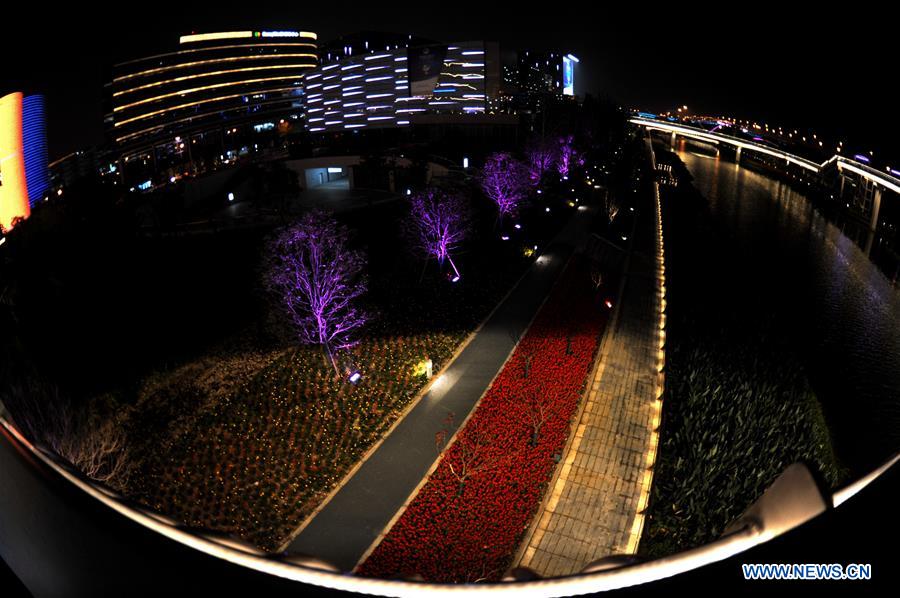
{"x":216,"y":96}
{"x":543,"y":73}
{"x":74,"y":167}
{"x":371,"y":85}
{"x":24,"y":176}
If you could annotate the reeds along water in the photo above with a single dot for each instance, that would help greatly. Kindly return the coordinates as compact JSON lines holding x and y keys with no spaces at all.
{"x":771,"y":255}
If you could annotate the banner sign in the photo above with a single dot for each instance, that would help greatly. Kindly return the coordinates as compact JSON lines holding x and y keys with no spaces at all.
{"x":424,"y":64}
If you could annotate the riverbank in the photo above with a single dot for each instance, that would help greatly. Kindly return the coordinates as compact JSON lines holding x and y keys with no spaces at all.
{"x":739,"y":405}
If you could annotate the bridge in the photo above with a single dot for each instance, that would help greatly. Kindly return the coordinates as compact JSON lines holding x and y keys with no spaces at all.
{"x":876,"y":180}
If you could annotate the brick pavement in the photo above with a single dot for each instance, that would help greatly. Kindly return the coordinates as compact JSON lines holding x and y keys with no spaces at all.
{"x":595,"y":507}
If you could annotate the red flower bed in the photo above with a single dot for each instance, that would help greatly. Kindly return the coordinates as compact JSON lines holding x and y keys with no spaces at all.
{"x":468,"y":519}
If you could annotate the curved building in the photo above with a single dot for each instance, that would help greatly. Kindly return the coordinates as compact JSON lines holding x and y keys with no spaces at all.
{"x":169,"y":104}
{"x":24,"y":175}
{"x":370,"y":87}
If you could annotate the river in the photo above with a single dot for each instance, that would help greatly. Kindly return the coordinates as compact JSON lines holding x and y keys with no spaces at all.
{"x":768,"y":256}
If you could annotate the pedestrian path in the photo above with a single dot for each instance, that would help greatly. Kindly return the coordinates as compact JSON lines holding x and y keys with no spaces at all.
{"x":345,"y":527}
{"x":596,"y":503}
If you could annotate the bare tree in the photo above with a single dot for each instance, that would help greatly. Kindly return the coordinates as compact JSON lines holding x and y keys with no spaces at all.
{"x":612,"y":207}
{"x":438,"y":224}
{"x":319,"y":279}
{"x":97,"y":448}
{"x":471,"y":454}
{"x":95,"y":445}
{"x":505,"y":181}
{"x":542,"y":404}
{"x":540,"y":157}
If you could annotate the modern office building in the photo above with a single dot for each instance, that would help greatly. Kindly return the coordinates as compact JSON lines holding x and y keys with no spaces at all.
{"x":372,"y":84}
{"x":24,"y":178}
{"x":543,"y":73}
{"x":74,"y":167}
{"x":216,"y":96}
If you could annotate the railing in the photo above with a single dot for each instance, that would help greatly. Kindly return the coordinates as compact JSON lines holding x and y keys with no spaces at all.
{"x":888,"y":181}
{"x":790,"y":501}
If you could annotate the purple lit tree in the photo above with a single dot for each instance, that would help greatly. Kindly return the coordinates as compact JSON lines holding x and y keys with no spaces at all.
{"x":439,"y":223}
{"x":319,"y":280}
{"x":540,"y":159}
{"x":567,"y":156}
{"x":505,"y":181}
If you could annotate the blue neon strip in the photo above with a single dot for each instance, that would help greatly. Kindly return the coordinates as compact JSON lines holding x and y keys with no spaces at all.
{"x":34,"y":148}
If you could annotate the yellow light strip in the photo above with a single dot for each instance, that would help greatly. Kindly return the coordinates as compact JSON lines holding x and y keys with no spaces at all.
{"x":637,"y":525}
{"x":202,"y":37}
{"x":211,"y":48}
{"x":844,"y":163}
{"x":211,"y":61}
{"x":203,"y":88}
{"x":13,"y":191}
{"x":197,"y":103}
{"x":192,"y":117}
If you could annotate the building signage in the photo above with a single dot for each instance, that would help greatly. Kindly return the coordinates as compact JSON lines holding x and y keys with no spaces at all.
{"x":425,"y":64}
{"x":568,"y":76}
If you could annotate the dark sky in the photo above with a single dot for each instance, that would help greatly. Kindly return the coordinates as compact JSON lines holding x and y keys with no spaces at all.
{"x":824,"y":68}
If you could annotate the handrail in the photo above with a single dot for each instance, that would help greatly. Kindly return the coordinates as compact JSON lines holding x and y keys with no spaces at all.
{"x":887,"y":181}
{"x":752,"y":530}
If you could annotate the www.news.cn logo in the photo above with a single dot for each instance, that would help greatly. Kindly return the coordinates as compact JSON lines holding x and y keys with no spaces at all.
{"x":832,"y":571}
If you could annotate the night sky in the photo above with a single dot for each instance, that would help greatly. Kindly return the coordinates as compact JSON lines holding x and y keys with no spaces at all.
{"x":827,"y":70}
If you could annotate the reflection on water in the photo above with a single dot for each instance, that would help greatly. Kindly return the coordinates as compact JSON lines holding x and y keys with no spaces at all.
{"x":841,"y":315}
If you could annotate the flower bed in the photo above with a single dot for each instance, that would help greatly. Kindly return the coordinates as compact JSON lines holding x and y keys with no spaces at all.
{"x":258,"y":457}
{"x":468,"y":519}
{"x":256,"y":462}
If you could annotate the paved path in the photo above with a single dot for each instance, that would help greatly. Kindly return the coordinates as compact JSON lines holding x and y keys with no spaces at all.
{"x":596,"y":504}
{"x":345,"y":528}
{"x":338,"y":199}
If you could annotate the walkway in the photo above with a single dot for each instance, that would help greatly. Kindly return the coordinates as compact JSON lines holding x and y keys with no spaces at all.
{"x":349,"y":523}
{"x":596,"y":502}
{"x":337,"y":198}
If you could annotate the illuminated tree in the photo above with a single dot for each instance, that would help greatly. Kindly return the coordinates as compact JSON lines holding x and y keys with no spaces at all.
{"x":319,"y":280}
{"x":439,"y":223}
{"x":540,"y":159}
{"x":567,"y":156}
{"x":505,"y":181}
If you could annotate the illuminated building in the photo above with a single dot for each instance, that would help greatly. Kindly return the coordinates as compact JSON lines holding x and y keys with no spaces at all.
{"x":543,"y":73}
{"x":366,"y":84}
{"x":73,"y":167}
{"x":24,"y":178}
{"x":218,"y":96}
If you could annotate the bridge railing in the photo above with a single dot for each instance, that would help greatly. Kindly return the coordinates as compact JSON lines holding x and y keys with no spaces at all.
{"x":690,"y":131}
{"x":791,"y":500}
{"x":886,"y":179}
